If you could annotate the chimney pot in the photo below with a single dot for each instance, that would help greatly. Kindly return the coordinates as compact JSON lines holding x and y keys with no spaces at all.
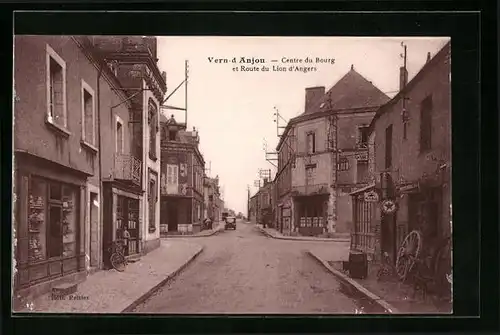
{"x":313,"y":95}
{"x":428,"y":57}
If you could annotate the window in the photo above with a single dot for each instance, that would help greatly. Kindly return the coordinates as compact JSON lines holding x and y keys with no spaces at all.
{"x":311,"y":143}
{"x":153,"y":128}
{"x":172,"y":135}
{"x":310,"y":172}
{"x":152,"y":199}
{"x":388,"y":147}
{"x":363,"y":136}
{"x":119,"y":136}
{"x":343,"y":164}
{"x":52,"y":220}
{"x":88,"y":114}
{"x":426,"y":124}
{"x":56,"y":89}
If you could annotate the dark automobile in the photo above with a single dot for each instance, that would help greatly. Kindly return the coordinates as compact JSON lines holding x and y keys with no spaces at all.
{"x":230,"y":222}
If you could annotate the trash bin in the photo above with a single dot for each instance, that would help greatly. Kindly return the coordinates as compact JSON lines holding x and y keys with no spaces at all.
{"x":358,"y":265}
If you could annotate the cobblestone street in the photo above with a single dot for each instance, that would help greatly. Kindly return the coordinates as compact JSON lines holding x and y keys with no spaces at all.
{"x":242,"y":271}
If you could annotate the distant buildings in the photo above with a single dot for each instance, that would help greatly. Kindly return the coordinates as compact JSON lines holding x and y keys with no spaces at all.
{"x":213,"y":203}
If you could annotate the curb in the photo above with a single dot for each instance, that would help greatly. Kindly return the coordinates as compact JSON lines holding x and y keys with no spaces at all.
{"x":193,"y":236}
{"x":302,"y":239}
{"x":154,"y":289}
{"x":352,"y":283}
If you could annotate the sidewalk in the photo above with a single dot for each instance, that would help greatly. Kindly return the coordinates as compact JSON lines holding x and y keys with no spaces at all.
{"x":393,"y":296}
{"x":273,"y":233}
{"x":217,"y":228}
{"x":109,"y":291}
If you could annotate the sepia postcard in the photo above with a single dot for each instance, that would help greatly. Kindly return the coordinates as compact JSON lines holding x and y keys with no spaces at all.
{"x":232,"y":175}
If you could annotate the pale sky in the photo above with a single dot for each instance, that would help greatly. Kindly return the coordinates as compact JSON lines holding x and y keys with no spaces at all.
{"x":233,"y":111}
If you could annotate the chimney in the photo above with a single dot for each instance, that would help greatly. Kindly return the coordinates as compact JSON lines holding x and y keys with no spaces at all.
{"x":428,"y":57}
{"x":403,"y":78}
{"x":313,"y":94}
{"x":164,"y":76}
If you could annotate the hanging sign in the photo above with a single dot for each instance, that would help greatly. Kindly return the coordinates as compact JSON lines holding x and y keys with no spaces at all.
{"x":371,"y":196}
{"x":409,"y":187}
{"x":388,"y":206}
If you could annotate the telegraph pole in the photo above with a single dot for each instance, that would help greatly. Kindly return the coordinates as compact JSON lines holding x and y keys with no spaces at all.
{"x":186,"y":65}
{"x":248,"y":203}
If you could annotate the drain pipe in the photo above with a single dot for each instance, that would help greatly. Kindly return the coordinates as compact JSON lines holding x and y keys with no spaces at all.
{"x":101,"y":201}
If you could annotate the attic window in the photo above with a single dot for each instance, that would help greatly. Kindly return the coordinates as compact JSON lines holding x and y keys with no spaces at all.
{"x":172,"y":135}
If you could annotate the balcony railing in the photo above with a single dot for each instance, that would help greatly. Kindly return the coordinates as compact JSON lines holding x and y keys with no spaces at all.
{"x":128,"y":168}
{"x":311,"y":189}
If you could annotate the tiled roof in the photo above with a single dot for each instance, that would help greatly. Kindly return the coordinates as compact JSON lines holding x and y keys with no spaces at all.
{"x":350,"y":92}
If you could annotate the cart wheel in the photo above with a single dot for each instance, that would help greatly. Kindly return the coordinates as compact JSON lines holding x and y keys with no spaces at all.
{"x":408,"y":253}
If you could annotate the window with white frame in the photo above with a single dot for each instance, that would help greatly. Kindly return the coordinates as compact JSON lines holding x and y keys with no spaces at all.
{"x":119,"y":146}
{"x":88,"y":114}
{"x":56,"y":88}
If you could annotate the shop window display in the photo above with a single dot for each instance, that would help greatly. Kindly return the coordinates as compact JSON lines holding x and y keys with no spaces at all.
{"x":37,"y":221}
{"x":68,"y":222}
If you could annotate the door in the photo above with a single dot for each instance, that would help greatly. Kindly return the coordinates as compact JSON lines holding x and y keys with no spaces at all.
{"x":388,"y":236}
{"x":172,"y":215}
{"x":93,"y":219}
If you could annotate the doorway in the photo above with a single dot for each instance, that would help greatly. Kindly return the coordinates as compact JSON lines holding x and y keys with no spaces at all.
{"x":172,"y":215}
{"x":94,"y":222}
{"x":388,"y":236}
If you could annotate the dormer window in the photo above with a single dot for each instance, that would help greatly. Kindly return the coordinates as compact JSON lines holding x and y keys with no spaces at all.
{"x":172,"y":134}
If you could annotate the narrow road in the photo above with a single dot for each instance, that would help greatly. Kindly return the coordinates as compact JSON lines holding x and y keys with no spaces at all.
{"x":242,"y":271}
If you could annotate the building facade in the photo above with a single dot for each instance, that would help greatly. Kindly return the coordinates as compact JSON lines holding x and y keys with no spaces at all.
{"x":322,"y":156}
{"x":182,"y":178}
{"x":56,"y":162}
{"x":134,"y":62}
{"x":212,"y":199}
{"x":79,"y":164}
{"x":411,"y":163}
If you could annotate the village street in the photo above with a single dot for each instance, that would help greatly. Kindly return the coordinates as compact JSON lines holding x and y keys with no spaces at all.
{"x":242,"y":271}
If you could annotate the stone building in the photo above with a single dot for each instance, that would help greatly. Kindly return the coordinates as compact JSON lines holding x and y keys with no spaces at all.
{"x":182,"y":178}
{"x":410,"y":163}
{"x":310,"y":173}
{"x":131,"y":189}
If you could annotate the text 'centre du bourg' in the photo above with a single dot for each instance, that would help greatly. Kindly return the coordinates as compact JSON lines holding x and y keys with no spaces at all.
{"x":283,"y":64}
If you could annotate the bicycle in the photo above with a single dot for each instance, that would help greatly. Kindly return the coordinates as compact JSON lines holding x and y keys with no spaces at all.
{"x":117,"y":258}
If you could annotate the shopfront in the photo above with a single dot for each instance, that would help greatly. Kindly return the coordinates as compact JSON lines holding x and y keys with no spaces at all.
{"x":311,"y":214}
{"x":49,"y":224}
{"x":121,"y":213}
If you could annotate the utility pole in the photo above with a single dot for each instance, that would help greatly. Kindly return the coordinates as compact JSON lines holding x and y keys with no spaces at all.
{"x":186,"y":76}
{"x":248,"y":203}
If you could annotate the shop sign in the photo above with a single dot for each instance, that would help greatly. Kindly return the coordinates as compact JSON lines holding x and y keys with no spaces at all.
{"x":408,"y":187}
{"x":371,"y":196}
{"x":362,"y":156}
{"x":388,"y":206}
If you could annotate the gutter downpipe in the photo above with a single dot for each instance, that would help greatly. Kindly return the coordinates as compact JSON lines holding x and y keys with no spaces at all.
{"x":101,"y":187}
